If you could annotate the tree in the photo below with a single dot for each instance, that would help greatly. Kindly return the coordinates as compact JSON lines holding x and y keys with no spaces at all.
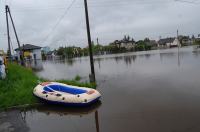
{"x":146,"y":40}
{"x":128,"y":38}
{"x":193,"y":37}
{"x":60,"y":51}
{"x":124,"y":37}
{"x":142,"y":45}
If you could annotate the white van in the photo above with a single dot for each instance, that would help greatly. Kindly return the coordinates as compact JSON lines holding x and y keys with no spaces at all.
{"x":2,"y":69}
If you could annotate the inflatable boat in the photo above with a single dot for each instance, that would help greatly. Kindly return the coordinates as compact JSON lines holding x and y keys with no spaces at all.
{"x":59,"y":93}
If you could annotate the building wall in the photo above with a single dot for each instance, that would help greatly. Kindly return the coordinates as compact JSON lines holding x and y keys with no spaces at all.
{"x":2,"y":53}
{"x":18,"y":55}
{"x":128,"y":45}
{"x":175,"y":42}
{"x":168,"y":44}
{"x":37,"y":52}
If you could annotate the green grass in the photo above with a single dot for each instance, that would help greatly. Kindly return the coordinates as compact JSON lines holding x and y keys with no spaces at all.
{"x":77,"y":78}
{"x":18,"y":86}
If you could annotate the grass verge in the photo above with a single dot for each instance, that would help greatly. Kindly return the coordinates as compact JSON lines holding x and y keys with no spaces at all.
{"x":18,"y":86}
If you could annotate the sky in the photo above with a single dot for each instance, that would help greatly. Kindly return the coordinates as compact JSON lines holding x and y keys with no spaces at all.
{"x":57,"y":23}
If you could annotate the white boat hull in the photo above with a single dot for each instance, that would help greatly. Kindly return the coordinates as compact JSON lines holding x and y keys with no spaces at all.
{"x":59,"y":93}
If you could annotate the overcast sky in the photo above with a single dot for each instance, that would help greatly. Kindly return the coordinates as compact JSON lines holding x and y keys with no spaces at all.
{"x":35,"y":20}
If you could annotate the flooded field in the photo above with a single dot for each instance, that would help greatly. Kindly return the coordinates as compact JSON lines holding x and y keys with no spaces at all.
{"x":153,"y":91}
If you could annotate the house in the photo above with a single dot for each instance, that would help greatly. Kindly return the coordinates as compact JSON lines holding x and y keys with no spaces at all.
{"x":30,"y":52}
{"x":46,"y":49}
{"x":2,"y":53}
{"x":175,"y":43}
{"x":197,"y":39}
{"x":50,"y":55}
{"x":185,"y":40}
{"x":126,"y":43}
{"x":116,"y":43}
{"x":166,"y":42}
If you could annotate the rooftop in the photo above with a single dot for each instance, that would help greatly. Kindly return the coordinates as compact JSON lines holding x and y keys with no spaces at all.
{"x":166,"y":40}
{"x":28,"y":47}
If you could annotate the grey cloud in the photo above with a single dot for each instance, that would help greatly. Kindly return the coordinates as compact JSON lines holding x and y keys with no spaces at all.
{"x":109,"y":19}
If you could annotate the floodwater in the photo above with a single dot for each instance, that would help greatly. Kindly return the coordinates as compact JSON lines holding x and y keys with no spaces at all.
{"x":151,"y":91}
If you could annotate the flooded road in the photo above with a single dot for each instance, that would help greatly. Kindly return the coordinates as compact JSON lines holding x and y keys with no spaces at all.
{"x":153,"y":91}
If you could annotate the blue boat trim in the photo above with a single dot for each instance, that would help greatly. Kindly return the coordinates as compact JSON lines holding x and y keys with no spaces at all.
{"x":66,"y":89}
{"x":68,"y":104}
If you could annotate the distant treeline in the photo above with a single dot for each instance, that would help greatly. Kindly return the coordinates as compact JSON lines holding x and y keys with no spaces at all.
{"x":70,"y":52}
{"x":73,"y":51}
{"x":127,"y":44}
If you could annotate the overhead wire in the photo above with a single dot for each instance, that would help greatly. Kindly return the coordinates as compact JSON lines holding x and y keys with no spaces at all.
{"x":9,"y":3}
{"x":186,"y":1}
{"x":95,"y":4}
{"x":59,"y":20}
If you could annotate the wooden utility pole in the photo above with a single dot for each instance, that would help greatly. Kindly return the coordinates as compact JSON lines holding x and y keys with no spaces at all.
{"x":20,"y":49}
{"x":8,"y":34}
{"x":178,"y":49}
{"x":97,"y":121}
{"x":177,"y":33}
{"x":178,"y":39}
{"x":97,"y":41}
{"x":92,"y":76}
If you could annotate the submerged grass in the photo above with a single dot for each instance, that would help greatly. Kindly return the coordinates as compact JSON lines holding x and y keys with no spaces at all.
{"x":17,"y":88}
{"x":77,"y":78}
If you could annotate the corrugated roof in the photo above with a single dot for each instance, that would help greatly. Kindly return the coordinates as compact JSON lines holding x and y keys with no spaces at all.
{"x":166,"y":40}
{"x":29,"y":47}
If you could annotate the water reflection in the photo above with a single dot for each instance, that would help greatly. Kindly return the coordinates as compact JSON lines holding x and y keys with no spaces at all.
{"x":25,"y":119}
{"x":64,"y":111}
{"x":157,"y":91}
{"x":36,"y":65}
{"x":12,"y":121}
{"x":97,"y":121}
{"x":196,"y":53}
{"x":58,"y":113}
{"x":109,"y":65}
{"x":70,"y":62}
{"x":167,"y":55}
{"x":129,"y":59}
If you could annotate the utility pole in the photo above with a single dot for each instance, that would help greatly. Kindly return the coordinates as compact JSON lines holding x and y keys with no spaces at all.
{"x":8,"y":35}
{"x":178,"y":39}
{"x":20,"y":49}
{"x":92,"y":76}
{"x":97,"y":41}
{"x":178,"y":49}
{"x":177,"y":33}
{"x":97,"y":121}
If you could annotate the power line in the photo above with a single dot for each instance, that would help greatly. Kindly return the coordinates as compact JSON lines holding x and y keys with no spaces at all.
{"x":58,"y":22}
{"x":114,"y":3}
{"x":185,"y":1}
{"x":94,"y":4}
{"x":10,"y":2}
